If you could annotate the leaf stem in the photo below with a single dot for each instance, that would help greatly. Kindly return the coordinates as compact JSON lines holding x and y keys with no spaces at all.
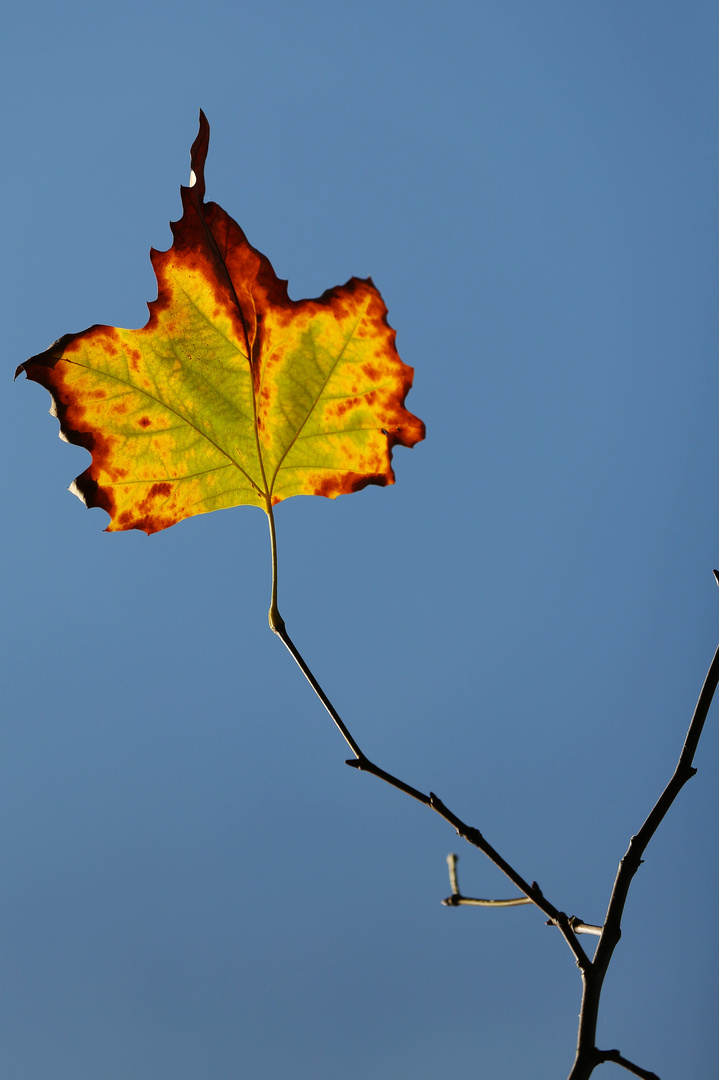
{"x":277,"y":623}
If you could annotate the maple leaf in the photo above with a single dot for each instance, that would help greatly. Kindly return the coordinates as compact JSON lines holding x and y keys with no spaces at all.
{"x":232,"y":393}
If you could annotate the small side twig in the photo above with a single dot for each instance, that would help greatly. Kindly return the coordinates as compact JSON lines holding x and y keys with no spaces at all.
{"x":457,"y":900}
{"x":580,"y":927}
{"x":618,"y":1059}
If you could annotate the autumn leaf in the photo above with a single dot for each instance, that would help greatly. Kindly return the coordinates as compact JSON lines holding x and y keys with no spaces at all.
{"x":232,"y":393}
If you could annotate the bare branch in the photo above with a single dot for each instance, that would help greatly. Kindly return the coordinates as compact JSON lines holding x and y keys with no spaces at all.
{"x":471,"y":835}
{"x":593,"y":977}
{"x":638,"y":844}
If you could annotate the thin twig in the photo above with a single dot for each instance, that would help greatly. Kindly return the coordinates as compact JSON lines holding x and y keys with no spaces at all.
{"x":457,"y":900}
{"x":452,"y":861}
{"x":533,"y":891}
{"x":471,"y":835}
{"x":580,"y":927}
{"x":285,"y":637}
{"x":474,"y":901}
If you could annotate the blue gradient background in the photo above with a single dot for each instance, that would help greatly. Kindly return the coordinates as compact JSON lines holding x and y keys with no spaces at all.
{"x":193,"y":884}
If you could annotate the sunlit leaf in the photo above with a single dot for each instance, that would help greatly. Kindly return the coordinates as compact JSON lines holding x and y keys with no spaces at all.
{"x":232,"y":393}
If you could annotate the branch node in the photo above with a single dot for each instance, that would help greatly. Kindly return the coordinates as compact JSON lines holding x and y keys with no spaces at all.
{"x":360,"y":762}
{"x":617,"y":1058}
{"x":277,"y":623}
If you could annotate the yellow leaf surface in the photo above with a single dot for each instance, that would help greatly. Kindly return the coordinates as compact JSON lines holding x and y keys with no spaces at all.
{"x":232,"y":393}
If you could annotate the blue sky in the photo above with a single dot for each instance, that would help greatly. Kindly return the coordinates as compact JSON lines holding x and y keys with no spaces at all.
{"x":193,"y":883}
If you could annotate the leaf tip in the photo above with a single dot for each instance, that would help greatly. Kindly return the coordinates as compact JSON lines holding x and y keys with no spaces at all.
{"x":198,"y":156}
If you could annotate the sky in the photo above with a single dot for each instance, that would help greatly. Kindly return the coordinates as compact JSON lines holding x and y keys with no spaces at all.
{"x":193,"y":884}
